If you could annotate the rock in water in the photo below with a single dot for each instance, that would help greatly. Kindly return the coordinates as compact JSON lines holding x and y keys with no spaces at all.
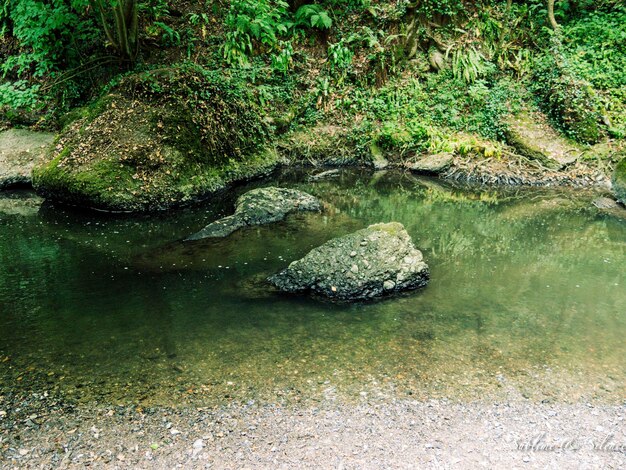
{"x":386,"y":261}
{"x":605,"y":203}
{"x":259,"y":207}
{"x":619,"y":181}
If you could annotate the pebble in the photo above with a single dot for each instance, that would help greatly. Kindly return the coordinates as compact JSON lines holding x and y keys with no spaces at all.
{"x":198,"y":444}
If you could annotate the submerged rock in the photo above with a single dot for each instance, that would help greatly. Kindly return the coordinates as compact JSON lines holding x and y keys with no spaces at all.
{"x":259,"y":207}
{"x":610,"y":207}
{"x":605,"y":203}
{"x":433,"y":164}
{"x":25,"y":204}
{"x":378,"y":260}
{"x":20,"y":150}
{"x":619,"y":181}
{"x":160,"y":139}
{"x":325,"y":175}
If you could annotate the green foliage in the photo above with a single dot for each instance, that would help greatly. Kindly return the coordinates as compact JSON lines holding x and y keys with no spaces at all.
{"x":313,"y":16}
{"x":5,"y":17}
{"x":340,"y":57}
{"x":50,"y":35}
{"x":569,"y":101}
{"x":468,"y":64}
{"x":171,"y":37}
{"x":402,"y":137}
{"x":281,"y":61}
{"x":18,"y":95}
{"x":596,"y":48}
{"x":429,"y":8}
{"x":253,"y":24}
{"x":413,"y":112}
{"x":218,"y":109}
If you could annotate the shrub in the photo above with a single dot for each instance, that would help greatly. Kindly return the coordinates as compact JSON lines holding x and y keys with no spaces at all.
{"x":50,"y":35}
{"x":253,"y":24}
{"x":569,"y":101}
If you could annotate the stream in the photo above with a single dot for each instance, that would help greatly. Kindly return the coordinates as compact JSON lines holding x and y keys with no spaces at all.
{"x":527,"y":297}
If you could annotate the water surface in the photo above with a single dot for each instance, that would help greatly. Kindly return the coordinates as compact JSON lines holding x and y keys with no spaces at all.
{"x":526,"y":299}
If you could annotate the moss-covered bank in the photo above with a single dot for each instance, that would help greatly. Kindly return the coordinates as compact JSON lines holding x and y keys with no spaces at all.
{"x":159,"y":139}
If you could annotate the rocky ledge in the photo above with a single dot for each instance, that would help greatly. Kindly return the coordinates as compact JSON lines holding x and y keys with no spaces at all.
{"x":20,"y":150}
{"x":258,"y":207}
{"x":378,"y":260}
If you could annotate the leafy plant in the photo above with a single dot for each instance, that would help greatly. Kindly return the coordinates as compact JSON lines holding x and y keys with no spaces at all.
{"x":253,"y":24}
{"x":313,"y":16}
{"x":596,"y":48}
{"x":468,"y":64}
{"x":170,"y":35}
{"x":569,"y":100}
{"x":49,"y":34}
{"x":18,"y":95}
{"x":340,"y":57}
{"x":281,"y":61}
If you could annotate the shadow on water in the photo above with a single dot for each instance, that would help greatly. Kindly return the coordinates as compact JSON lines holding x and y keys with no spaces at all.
{"x":527,"y":294}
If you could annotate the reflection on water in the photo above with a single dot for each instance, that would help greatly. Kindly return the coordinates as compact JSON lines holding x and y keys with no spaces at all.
{"x":527,"y":297}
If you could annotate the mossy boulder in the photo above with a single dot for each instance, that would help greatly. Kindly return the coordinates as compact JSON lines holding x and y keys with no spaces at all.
{"x":432,"y":164}
{"x":619,"y":181}
{"x":376,"y":261}
{"x":532,"y":136}
{"x":570,"y":101}
{"x":160,"y":139}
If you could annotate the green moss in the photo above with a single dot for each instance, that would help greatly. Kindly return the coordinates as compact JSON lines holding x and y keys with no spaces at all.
{"x":392,"y":228}
{"x":570,"y":101}
{"x":159,"y":140}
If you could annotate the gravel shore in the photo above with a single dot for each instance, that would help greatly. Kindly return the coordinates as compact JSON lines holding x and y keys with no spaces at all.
{"x":386,"y":434}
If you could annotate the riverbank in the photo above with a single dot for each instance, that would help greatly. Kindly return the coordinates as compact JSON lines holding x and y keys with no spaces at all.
{"x":370,"y":434}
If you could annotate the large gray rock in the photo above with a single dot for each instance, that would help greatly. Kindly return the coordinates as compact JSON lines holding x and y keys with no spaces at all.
{"x":432,"y":163}
{"x":20,"y":150}
{"x":259,"y":207}
{"x":372,"y":262}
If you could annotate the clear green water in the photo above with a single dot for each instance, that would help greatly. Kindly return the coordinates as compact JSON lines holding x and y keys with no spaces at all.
{"x":527,"y":298}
